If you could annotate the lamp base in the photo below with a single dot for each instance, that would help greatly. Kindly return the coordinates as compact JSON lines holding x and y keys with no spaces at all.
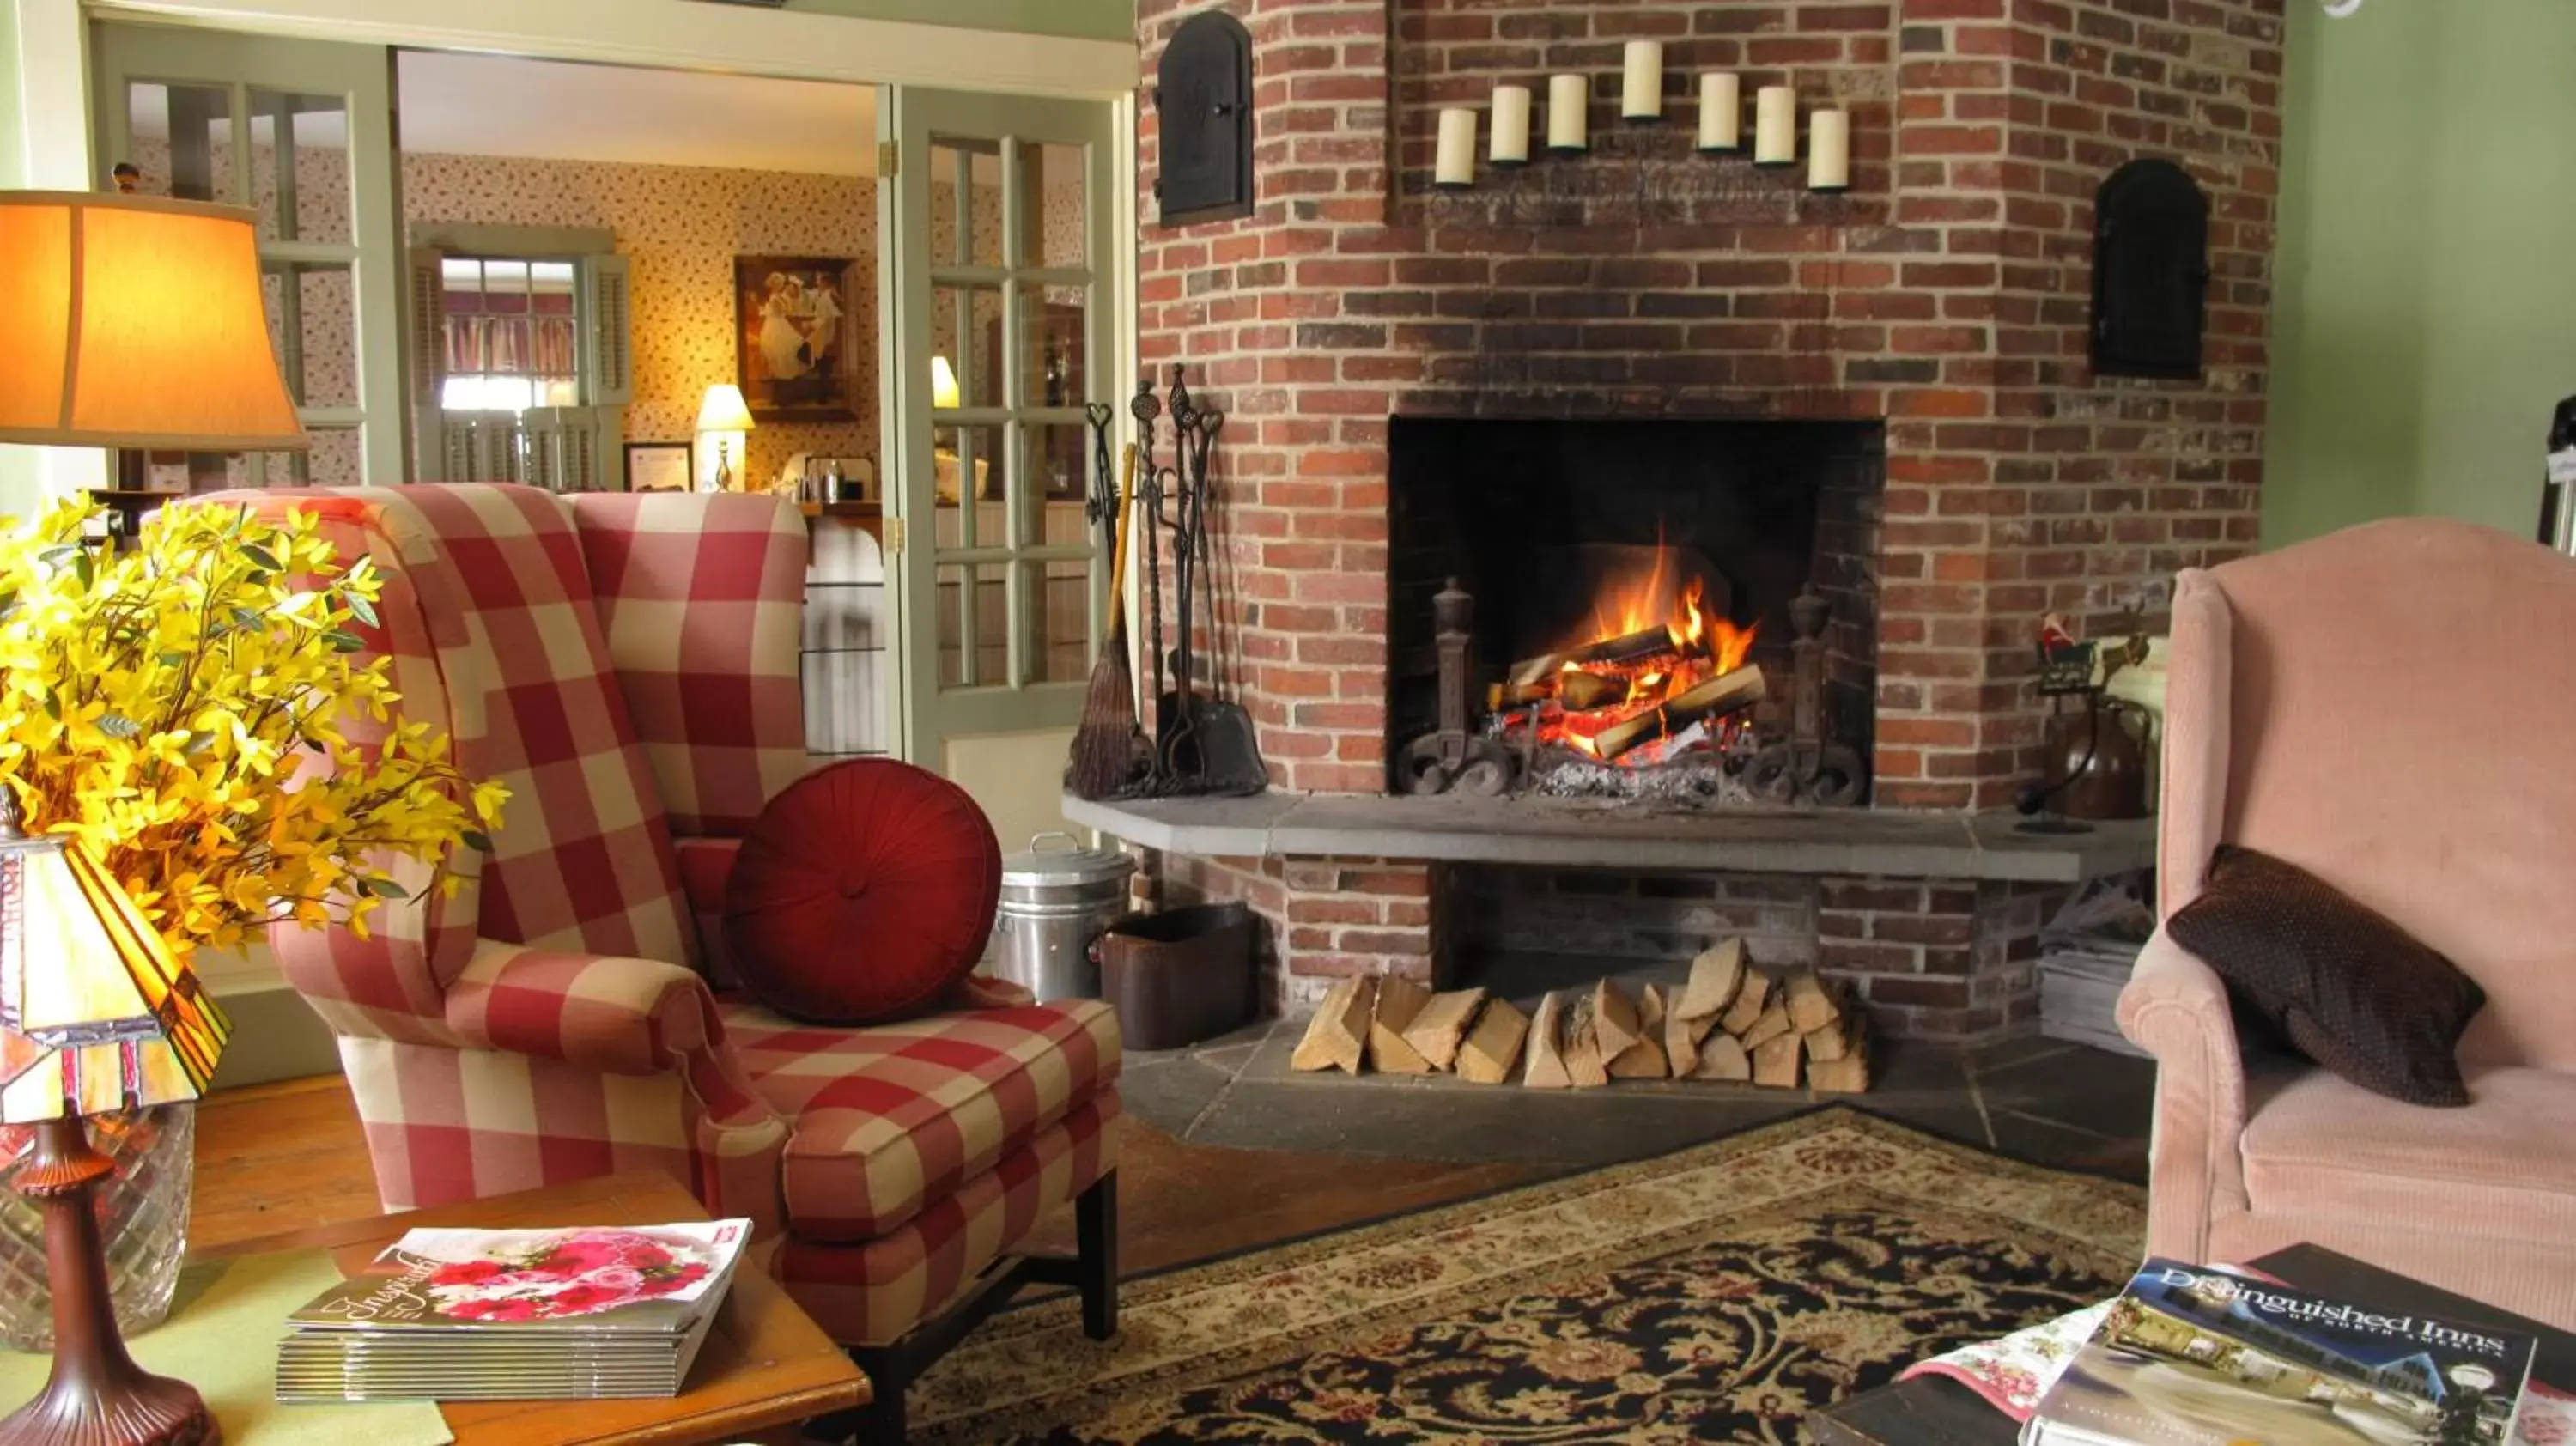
{"x":97,"y":1395}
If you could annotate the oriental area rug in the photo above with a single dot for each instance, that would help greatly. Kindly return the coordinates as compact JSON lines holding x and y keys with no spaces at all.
{"x":1717,"y":1294}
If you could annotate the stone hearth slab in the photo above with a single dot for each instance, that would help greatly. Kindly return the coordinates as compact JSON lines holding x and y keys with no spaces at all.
{"x":1838,"y":842}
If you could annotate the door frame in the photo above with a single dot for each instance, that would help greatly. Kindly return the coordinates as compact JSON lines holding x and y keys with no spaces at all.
{"x":53,"y":74}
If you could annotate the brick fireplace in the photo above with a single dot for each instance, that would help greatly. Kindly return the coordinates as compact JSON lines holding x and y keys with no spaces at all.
{"x":1943,"y":301}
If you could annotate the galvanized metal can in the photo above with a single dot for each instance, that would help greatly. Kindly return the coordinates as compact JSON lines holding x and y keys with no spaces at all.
{"x":1055,"y":902}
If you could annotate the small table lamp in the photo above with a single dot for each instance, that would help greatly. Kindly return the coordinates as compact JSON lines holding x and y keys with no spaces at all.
{"x":722,"y":421}
{"x":95,"y":1015}
{"x":135,"y":321}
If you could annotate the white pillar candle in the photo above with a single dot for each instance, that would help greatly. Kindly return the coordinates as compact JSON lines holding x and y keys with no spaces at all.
{"x":1457,"y":159}
{"x":1829,"y":151}
{"x":1641,"y":92}
{"x":1569,"y":126}
{"x":1775,"y":126}
{"x":1721,"y":111}
{"x":1509,"y":145}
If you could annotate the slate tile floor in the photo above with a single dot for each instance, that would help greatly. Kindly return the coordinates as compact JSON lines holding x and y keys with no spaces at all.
{"x":2041,"y":1100}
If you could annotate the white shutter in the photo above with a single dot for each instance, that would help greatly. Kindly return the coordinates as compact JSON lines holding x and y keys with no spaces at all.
{"x":427,"y":364}
{"x":607,"y":361}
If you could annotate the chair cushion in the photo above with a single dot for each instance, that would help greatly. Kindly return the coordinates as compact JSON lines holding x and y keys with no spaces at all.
{"x":2349,"y":989}
{"x":864,"y":892}
{"x":885,"y":1119}
{"x":2503,"y":1167}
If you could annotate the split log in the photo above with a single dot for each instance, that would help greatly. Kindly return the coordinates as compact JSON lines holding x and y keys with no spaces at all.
{"x":1339,"y":1033}
{"x":1584,"y":1057}
{"x":1714,"y":698}
{"x":1826,"y":1045}
{"x":1775,"y":1062}
{"x":1749,"y":1001}
{"x":1723,"y":1057}
{"x":1714,"y":977}
{"x":1773,"y":1023}
{"x":1848,"y":1075}
{"x":1810,"y":1007}
{"x":1400,"y":1001}
{"x":1631,"y":648}
{"x":1580,"y":691}
{"x":1615,"y":1024}
{"x":1531,"y":672}
{"x":1494,"y":1045}
{"x":1646,"y":1058}
{"x":1436,"y":1032}
{"x":1544,"y":1066}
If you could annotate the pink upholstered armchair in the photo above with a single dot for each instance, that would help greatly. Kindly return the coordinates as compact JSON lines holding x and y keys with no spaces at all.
{"x":2389,"y":708}
{"x":627,"y":665}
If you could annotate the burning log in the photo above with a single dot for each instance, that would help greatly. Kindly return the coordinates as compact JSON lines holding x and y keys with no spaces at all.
{"x":1718,"y":696}
{"x":1581,"y":691}
{"x":1632,"y":648}
{"x":1534,"y":672}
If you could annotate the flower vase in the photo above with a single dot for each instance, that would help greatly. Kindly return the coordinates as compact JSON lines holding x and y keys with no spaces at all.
{"x":142,"y":1213}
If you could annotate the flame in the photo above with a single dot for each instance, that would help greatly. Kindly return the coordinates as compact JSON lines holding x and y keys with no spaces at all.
{"x":1703,"y":645}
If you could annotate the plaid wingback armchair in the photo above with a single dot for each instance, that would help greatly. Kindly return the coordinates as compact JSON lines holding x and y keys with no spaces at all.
{"x":627,"y":666}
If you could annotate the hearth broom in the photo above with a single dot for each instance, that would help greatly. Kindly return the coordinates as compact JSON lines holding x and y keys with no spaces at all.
{"x":1104,"y":747}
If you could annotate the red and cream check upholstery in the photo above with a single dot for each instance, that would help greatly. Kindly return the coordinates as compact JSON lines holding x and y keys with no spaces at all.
{"x":627,"y":665}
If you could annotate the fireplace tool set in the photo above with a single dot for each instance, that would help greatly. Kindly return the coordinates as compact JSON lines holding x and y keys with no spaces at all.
{"x":1202,"y":742}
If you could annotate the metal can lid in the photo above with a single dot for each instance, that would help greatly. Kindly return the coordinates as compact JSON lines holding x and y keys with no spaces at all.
{"x":1071,"y":863}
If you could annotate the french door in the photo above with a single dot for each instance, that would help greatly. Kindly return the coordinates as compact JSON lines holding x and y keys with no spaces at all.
{"x":301,"y":133}
{"x":997,"y":300}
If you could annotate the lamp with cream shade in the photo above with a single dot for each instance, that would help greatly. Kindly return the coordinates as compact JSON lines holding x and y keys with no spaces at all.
{"x":136,"y":321}
{"x":723,"y":421}
{"x":96,"y":1015}
{"x":944,"y":395}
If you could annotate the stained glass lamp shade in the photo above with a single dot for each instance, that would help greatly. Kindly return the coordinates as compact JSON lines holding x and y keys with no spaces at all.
{"x":95,"y":1015}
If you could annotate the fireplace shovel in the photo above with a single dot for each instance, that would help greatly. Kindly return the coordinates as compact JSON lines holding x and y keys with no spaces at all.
{"x":1210,"y":739}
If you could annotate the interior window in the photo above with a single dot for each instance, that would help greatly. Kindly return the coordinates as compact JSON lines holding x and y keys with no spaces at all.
{"x":512,"y":334}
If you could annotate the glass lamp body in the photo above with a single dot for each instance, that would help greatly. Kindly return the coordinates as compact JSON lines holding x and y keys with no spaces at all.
{"x":143,"y":1217}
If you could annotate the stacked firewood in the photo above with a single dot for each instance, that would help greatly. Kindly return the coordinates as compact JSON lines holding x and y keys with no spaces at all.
{"x":1729,"y":1021}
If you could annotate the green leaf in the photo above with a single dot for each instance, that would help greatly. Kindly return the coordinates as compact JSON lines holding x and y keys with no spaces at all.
{"x":85,"y":569}
{"x":174,"y":660}
{"x":361,"y":609}
{"x":117,"y":725}
{"x":384,"y":888}
{"x":262,"y":557}
{"x":477,"y":840}
{"x":53,"y":706}
{"x":348,"y":642}
{"x":53,"y":556}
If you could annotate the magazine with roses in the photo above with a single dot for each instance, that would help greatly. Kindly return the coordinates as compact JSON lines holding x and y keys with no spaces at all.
{"x":451,"y":1315}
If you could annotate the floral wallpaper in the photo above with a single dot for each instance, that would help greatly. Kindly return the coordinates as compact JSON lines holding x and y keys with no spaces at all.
{"x":680,"y":228}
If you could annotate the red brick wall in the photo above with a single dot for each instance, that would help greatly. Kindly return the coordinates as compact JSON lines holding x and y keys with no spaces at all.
{"x":1948,"y":292}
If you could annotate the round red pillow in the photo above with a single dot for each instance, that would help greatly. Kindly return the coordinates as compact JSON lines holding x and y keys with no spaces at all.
{"x":864,"y":892}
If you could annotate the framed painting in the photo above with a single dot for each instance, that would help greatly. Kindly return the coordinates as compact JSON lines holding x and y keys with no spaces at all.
{"x":661,"y":466}
{"x":795,"y":341}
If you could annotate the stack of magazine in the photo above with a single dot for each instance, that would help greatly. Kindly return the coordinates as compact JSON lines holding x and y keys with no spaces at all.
{"x":495,"y":1315}
{"x":2188,"y":1356}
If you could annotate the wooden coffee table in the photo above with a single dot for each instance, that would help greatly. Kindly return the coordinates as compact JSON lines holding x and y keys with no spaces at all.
{"x":1938,"y":1411}
{"x":765,"y":1364}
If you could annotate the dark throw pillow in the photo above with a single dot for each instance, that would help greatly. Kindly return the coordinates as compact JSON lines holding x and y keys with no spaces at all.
{"x":864,"y":892}
{"x":2341,"y":983}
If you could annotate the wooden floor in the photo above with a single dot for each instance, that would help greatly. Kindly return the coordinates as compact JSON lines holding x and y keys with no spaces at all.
{"x":280,"y":1157}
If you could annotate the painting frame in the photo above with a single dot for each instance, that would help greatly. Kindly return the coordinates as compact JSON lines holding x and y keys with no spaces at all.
{"x":665,"y":466}
{"x":782,"y":306}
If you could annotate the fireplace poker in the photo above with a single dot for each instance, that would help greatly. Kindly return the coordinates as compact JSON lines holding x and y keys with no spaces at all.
{"x":1146,"y":408}
{"x":1104,"y":495}
{"x":1177,"y":711}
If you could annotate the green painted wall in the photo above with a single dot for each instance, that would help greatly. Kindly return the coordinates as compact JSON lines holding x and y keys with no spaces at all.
{"x":2425,"y":317}
{"x":1079,"y":19}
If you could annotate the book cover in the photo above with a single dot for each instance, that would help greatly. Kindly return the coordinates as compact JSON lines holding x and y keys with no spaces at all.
{"x":644,"y":1278}
{"x":2193,"y":1357}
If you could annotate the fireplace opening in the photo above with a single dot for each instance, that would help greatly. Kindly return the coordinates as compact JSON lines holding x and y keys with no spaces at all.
{"x":1635,"y":593}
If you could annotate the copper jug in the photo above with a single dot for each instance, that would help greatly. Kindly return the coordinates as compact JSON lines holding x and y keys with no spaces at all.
{"x":2097,"y":759}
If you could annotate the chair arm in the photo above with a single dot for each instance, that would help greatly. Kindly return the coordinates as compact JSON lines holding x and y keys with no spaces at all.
{"x":600,"y":1012}
{"x":2176,"y":1009}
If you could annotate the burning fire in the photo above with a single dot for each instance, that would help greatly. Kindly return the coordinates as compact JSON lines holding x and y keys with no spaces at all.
{"x":1644,"y":685}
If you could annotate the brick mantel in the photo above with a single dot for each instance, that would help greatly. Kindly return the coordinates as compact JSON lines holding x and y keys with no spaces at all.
{"x":1948,"y":292}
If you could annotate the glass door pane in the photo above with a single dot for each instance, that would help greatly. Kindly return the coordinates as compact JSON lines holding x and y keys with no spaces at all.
{"x":995,"y":296}
{"x":300,"y":132}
